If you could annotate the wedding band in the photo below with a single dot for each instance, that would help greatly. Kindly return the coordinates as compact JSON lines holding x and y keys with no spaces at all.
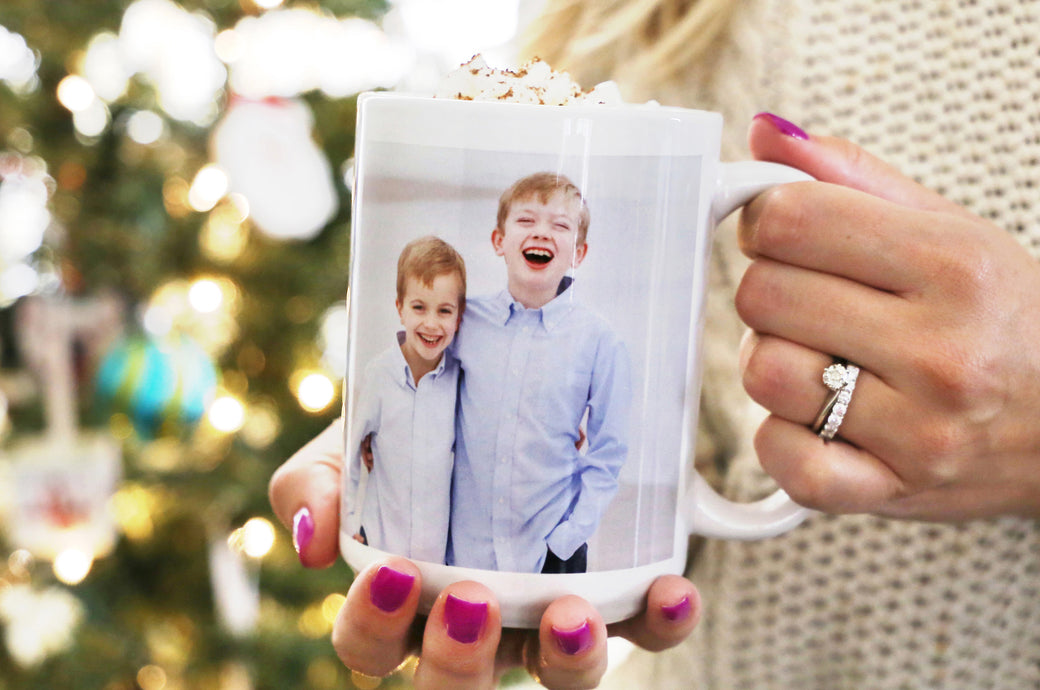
{"x":840,"y":378}
{"x":825,"y":411}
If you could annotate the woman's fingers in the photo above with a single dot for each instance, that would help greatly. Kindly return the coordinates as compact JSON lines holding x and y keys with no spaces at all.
{"x":673,"y":608}
{"x":461,"y":639}
{"x":571,"y":649}
{"x":372,"y":632}
{"x":786,"y":378}
{"x":832,"y":477}
{"x":840,"y":162}
{"x":823,"y":312}
{"x":843,"y":232}
{"x":305,"y":494}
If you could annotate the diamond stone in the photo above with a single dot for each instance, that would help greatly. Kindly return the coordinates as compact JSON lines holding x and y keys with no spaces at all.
{"x":834,"y":377}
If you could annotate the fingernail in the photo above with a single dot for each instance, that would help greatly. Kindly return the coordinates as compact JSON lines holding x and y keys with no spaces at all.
{"x":784,"y":126}
{"x":679,"y":611}
{"x":575,"y":641}
{"x":390,"y":588}
{"x":302,"y":529}
{"x":464,"y":619}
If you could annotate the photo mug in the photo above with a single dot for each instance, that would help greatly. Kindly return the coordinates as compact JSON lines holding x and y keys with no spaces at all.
{"x":526,"y":308}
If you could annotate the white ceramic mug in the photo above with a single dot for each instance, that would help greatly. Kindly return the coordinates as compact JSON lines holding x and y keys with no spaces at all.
{"x":654,"y":189}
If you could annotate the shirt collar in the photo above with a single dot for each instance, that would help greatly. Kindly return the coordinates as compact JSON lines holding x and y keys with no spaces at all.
{"x":403,"y":373}
{"x":550,"y":315}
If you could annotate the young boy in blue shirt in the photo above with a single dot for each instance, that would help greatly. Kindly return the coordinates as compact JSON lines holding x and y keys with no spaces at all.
{"x":534,"y":362}
{"x":405,"y":411}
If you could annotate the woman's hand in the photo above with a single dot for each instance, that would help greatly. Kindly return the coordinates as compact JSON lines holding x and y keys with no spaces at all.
{"x":461,"y":644}
{"x":939,"y":308}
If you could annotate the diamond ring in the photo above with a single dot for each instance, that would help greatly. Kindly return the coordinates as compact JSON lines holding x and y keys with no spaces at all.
{"x":840,"y":378}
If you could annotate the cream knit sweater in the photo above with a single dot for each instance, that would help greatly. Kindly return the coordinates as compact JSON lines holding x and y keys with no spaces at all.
{"x":948,"y":91}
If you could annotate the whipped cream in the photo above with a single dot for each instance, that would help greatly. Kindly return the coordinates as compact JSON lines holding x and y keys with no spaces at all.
{"x":535,"y":82}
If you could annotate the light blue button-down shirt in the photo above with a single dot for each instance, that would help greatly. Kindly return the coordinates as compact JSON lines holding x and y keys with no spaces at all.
{"x":406,"y":500}
{"x":528,"y":377}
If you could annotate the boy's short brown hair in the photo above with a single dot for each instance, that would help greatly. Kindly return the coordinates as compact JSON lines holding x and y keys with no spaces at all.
{"x":426,"y":258}
{"x":543,"y":186}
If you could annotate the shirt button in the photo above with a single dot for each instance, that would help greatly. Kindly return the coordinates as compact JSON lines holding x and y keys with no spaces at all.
{"x":501,"y":501}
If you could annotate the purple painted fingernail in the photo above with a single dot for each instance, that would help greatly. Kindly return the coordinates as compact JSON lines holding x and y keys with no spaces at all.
{"x":784,"y":126}
{"x":574,"y":641}
{"x":679,"y":611}
{"x":390,"y":589}
{"x":464,"y":619}
{"x":302,"y":529}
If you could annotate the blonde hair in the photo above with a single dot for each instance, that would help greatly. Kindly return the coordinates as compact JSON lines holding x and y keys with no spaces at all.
{"x":426,"y":258}
{"x":543,"y":186}
{"x":648,"y":42}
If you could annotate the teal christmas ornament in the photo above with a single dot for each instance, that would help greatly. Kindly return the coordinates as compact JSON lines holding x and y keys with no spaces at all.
{"x":162,"y":385}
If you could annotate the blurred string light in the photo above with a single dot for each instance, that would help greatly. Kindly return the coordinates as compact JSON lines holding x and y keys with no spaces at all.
{"x":204,"y":309}
{"x":314,"y":391}
{"x":332,"y":339}
{"x":288,"y":52}
{"x":18,"y":63}
{"x":145,"y":127}
{"x":172,"y":49}
{"x":254,"y":539}
{"x":224,"y":235}
{"x":72,"y":565}
{"x":90,"y":115}
{"x":103,"y":67}
{"x":281,"y":53}
{"x":205,"y":295}
{"x":455,"y":29}
{"x":133,"y":507}
{"x":183,"y":57}
{"x":151,"y":677}
{"x":38,"y":624}
{"x":209,"y":187}
{"x":25,"y":188}
{"x":226,"y":414}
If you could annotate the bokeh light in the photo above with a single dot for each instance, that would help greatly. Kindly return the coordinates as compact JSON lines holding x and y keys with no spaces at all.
{"x":75,"y":93}
{"x":256,"y":537}
{"x":145,"y":127}
{"x":205,"y":296}
{"x":71,"y":566}
{"x":315,"y":392}
{"x":151,"y":677}
{"x":226,"y":414}
{"x":209,"y":186}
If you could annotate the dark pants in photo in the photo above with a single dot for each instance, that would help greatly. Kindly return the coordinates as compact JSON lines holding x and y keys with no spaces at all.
{"x":578,"y":563}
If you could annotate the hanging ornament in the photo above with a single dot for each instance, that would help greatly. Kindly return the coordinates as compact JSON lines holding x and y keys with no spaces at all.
{"x":58,"y":498}
{"x":270,"y":157}
{"x":162,"y":385}
{"x":60,"y":481}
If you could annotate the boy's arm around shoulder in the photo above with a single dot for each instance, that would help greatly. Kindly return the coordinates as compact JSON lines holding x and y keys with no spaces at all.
{"x":363,"y":421}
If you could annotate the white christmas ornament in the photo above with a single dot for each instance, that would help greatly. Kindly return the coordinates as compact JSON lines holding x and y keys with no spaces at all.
{"x":271,"y":159}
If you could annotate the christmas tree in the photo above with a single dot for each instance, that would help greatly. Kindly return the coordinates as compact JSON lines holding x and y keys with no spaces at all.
{"x":174,"y":244}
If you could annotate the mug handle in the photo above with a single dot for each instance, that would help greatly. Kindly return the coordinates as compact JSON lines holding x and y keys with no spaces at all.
{"x":709,"y":514}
